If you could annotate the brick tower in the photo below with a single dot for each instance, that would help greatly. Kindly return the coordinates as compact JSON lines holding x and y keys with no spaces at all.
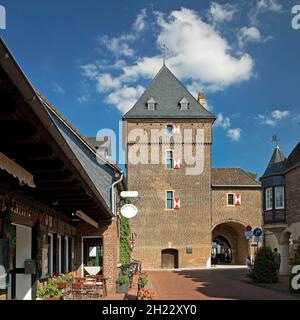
{"x":173,"y":226}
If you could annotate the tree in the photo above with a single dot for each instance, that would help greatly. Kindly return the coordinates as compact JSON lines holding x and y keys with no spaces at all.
{"x":265,"y":269}
{"x":252,"y":175}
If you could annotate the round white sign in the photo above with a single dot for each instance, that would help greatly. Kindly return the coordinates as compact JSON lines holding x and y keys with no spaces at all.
{"x":129,"y":211}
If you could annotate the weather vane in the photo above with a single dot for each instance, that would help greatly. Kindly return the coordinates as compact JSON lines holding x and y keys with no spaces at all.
{"x":275,"y":139}
{"x":163,"y":47}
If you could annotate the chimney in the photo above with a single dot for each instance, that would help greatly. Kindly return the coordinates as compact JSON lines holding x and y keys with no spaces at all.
{"x":202,"y":99}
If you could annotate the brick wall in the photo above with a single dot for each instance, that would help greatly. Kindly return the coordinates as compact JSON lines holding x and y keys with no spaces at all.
{"x":230,"y":221}
{"x":158,"y":228}
{"x":292,"y":189}
{"x":249,"y":212}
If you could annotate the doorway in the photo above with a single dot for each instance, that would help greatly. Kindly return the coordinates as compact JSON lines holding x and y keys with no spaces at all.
{"x":169,"y":259}
{"x":92,"y":251}
{"x":21,"y":283}
{"x":221,"y":251}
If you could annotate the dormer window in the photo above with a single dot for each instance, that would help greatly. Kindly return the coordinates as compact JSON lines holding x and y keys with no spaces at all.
{"x":151,"y":104}
{"x":184,"y":104}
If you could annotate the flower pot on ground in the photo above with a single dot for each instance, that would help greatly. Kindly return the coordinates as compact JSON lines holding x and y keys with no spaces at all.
{"x":123,"y":283}
{"x":49,"y":291}
{"x":143,"y":281}
{"x":146,"y":294}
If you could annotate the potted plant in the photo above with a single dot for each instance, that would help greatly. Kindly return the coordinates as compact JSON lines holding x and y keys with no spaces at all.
{"x":123,"y":283}
{"x":146,"y":294}
{"x":143,"y":281}
{"x":49,"y":291}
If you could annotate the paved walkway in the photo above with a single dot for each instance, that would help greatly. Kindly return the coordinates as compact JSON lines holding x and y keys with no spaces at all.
{"x":211,"y":284}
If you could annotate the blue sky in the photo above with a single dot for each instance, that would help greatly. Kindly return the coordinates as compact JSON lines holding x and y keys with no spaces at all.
{"x":92,"y":59}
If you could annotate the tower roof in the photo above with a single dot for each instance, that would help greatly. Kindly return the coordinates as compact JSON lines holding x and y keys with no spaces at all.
{"x":276,"y":165}
{"x":294,"y":158}
{"x":167,"y":91}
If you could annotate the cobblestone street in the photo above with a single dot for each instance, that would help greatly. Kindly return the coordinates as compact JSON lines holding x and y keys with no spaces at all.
{"x":227,"y":284}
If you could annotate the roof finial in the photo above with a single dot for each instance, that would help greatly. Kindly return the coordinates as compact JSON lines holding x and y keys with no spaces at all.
{"x":163,"y":47}
{"x":276,"y":140}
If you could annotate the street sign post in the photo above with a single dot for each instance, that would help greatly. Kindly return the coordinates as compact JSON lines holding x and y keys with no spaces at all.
{"x":129,"y":211}
{"x":129,"y":194}
{"x":248,"y":235}
{"x":257,"y":232}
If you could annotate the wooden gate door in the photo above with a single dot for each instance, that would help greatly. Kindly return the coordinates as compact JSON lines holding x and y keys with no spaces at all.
{"x":169,"y":259}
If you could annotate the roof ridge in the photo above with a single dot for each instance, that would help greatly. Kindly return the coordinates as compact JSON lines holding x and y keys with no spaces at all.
{"x":188,"y":91}
{"x":73,"y":130}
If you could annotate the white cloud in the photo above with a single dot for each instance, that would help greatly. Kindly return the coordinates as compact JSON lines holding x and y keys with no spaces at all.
{"x":89,"y":70}
{"x":221,"y":12}
{"x":223,"y":122}
{"x":234,"y":134}
{"x":121,"y":45}
{"x":107,"y":83}
{"x":125,"y":97}
{"x":140,"y":23}
{"x":197,"y":54}
{"x":249,"y":34}
{"x":263,"y":6}
{"x":58,"y":88}
{"x":118,"y":45}
{"x":273,"y":117}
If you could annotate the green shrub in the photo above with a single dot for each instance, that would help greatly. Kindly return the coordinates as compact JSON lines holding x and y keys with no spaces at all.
{"x":50,"y":290}
{"x":123,"y":279}
{"x":125,"y":233}
{"x":143,"y":280}
{"x":264,"y":270}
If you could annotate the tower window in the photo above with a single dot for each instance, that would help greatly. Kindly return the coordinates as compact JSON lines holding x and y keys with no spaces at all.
{"x":169,"y":129}
{"x":170,"y":199}
{"x":230,"y":199}
{"x":151,"y":104}
{"x":269,"y":198}
{"x":279,"y":197}
{"x":184,"y":104}
{"x":169,"y":160}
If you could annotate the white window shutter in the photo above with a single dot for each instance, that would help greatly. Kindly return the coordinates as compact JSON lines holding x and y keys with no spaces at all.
{"x":237,"y":199}
{"x":176,"y":128}
{"x":176,"y":163}
{"x":176,"y":203}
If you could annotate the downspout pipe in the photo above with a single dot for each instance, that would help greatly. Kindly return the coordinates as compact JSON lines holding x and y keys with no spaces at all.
{"x":113,"y":198}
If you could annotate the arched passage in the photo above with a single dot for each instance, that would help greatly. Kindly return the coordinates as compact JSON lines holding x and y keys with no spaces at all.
{"x":284,"y":250}
{"x":169,"y":259}
{"x":233,"y":247}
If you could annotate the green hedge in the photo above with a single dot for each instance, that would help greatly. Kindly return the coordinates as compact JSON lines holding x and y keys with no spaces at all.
{"x":264,"y":270}
{"x":125,"y":233}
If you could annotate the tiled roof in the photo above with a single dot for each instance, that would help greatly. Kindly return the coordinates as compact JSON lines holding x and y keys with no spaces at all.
{"x":232,"y":177}
{"x":276,"y":165}
{"x":167,"y":91}
{"x":294,"y":158}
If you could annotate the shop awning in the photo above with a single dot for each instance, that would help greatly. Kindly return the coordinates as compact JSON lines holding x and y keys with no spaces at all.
{"x":16,"y":170}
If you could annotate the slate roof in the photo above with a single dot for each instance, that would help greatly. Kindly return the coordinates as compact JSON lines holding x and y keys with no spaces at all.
{"x":276,"y":165}
{"x":294,"y":158}
{"x":232,"y":177}
{"x":167,"y":91}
